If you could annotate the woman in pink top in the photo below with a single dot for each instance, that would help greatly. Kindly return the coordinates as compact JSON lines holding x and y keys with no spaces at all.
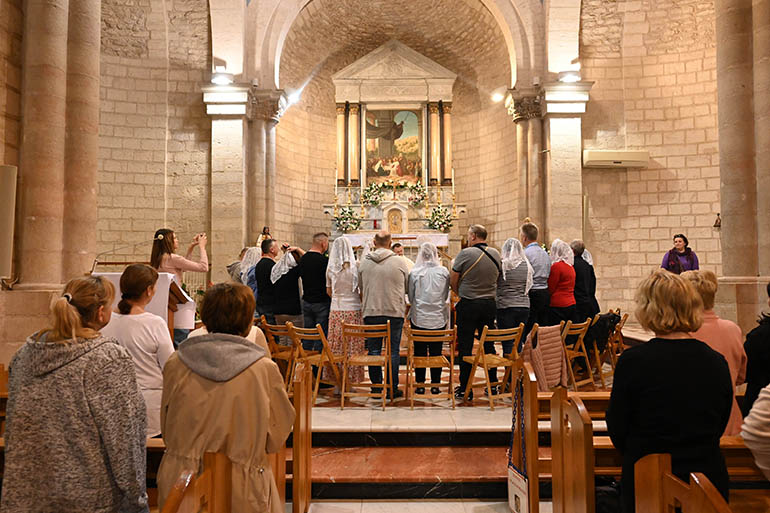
{"x":722,"y":336}
{"x":165,"y":260}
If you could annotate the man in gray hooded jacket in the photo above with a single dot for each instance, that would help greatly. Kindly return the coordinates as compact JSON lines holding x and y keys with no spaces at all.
{"x":383,"y":278}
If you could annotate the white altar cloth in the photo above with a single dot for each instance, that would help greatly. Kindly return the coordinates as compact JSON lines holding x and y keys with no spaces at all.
{"x":412,"y":240}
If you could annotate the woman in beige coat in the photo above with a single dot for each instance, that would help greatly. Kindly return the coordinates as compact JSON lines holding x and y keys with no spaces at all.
{"x":222,"y":393}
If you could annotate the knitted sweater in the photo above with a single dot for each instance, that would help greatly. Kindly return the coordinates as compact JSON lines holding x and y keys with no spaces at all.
{"x":75,"y":434}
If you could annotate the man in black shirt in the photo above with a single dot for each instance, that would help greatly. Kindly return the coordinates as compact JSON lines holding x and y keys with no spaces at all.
{"x":265,"y":287}
{"x":585,"y":283}
{"x":315,"y":301}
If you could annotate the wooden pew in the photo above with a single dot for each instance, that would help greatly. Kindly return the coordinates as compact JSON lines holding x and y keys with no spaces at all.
{"x":209,"y":491}
{"x":302,"y":439}
{"x":657,"y":490}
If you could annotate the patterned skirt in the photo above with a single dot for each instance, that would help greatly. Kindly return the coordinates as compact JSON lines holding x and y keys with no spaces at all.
{"x":356,"y":346}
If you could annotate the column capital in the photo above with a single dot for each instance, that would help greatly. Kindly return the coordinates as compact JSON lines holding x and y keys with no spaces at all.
{"x":566,"y":98}
{"x":524,"y":105}
{"x":266,"y":104}
{"x":446,"y":107}
{"x":355,"y":108}
{"x":433,"y":107}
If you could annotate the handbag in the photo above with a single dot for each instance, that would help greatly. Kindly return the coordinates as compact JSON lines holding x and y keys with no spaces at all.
{"x":518,"y":484}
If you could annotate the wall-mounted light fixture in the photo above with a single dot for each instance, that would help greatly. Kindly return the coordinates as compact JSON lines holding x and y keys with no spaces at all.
{"x":569,"y":76}
{"x":498,"y":94}
{"x":221,"y":76}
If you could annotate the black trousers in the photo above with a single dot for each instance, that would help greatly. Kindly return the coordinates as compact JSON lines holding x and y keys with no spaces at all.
{"x":472,"y":316}
{"x":539,"y":299}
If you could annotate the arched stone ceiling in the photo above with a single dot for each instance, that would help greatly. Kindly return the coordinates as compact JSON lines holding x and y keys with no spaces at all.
{"x":461,"y":35}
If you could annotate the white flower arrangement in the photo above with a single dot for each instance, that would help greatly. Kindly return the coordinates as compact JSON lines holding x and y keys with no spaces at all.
{"x":440,"y":218}
{"x":373,"y":194}
{"x":417,"y":194}
{"x":347,"y":220}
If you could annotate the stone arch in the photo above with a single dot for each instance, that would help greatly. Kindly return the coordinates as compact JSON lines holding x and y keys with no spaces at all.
{"x":521,"y":44}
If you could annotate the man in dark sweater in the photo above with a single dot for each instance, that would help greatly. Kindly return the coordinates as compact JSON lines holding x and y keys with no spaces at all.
{"x":265,"y":287}
{"x":585,"y":283}
{"x":315,"y":301}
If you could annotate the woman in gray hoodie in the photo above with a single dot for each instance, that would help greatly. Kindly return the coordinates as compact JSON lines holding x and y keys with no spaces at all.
{"x":75,"y":434}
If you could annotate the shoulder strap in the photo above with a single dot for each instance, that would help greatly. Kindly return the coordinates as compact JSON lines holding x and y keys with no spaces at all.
{"x":490,"y":256}
{"x":469,"y":269}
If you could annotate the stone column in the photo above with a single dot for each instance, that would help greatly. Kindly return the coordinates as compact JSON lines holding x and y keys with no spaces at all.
{"x":522,"y":162}
{"x":341,"y":174}
{"x":525,"y":110}
{"x":446,"y":128}
{"x":738,"y":192}
{"x":44,"y":91}
{"x":254,"y":184}
{"x":565,"y":104}
{"x":82,"y":137}
{"x":761,"y":50}
{"x":435,"y":143}
{"x":354,"y":145}
{"x":535,"y":140}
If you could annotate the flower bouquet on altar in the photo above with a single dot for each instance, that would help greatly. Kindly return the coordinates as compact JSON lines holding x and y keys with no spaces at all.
{"x":440,"y":218}
{"x":373,"y":193}
{"x":417,"y":194}
{"x":347,"y":220}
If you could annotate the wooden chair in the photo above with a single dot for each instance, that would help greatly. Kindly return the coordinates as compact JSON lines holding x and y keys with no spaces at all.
{"x":351,"y":331}
{"x":577,"y":349}
{"x":209,"y":491}
{"x":616,"y":344}
{"x":657,"y":490}
{"x":489,"y":361}
{"x":282,"y":355}
{"x":446,"y":337}
{"x":315,"y":358}
{"x":572,"y":455}
{"x":302,"y":438}
{"x":599,"y":357}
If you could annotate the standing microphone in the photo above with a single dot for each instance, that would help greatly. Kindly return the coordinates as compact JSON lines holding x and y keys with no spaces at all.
{"x":113,"y":250}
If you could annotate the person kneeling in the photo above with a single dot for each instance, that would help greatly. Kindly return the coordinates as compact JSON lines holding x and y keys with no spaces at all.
{"x":222,"y":393}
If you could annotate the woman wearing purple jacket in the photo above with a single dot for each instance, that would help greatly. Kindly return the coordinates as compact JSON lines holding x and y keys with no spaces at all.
{"x":680,"y":258}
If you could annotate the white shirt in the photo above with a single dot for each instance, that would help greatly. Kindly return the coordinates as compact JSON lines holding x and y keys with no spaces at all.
{"x":147,"y":339}
{"x":756,"y":431}
{"x":344,"y":297}
{"x":428,"y":295}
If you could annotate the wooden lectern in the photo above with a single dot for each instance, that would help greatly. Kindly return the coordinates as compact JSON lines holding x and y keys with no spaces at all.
{"x":175,"y":298}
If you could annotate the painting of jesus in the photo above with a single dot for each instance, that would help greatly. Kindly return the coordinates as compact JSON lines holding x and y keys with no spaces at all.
{"x":393,"y":146}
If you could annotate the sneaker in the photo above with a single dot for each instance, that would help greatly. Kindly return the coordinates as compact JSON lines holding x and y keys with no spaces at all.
{"x":398,"y":394}
{"x":459,"y":393}
{"x":435,"y":390}
{"x":419,"y":390}
{"x":495,"y":391}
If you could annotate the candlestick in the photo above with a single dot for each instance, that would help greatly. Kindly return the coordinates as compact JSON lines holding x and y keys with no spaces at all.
{"x":348,"y":195}
{"x":454,"y":206}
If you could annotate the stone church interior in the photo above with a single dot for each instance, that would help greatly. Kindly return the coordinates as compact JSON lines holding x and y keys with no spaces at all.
{"x":228,"y":217}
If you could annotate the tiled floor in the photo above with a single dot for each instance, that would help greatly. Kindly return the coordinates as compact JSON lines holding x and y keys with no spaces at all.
{"x":469,"y":506}
{"x":366,"y":419}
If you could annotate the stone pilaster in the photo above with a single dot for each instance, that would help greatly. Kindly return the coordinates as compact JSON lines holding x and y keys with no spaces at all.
{"x":341,"y":175}
{"x":761,"y":51}
{"x":446,"y":127}
{"x":435,"y":143}
{"x":354,"y":144}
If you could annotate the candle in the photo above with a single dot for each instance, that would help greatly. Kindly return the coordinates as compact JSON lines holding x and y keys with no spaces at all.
{"x":335,"y":181}
{"x":453,"y":180}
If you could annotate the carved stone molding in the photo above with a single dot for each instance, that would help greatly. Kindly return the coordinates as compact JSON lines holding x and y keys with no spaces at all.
{"x":266,"y":104}
{"x":525,"y":107}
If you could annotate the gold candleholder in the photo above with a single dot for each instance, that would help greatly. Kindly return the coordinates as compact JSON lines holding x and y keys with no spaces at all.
{"x":349,"y":197}
{"x":454,"y":206}
{"x":336,"y":206}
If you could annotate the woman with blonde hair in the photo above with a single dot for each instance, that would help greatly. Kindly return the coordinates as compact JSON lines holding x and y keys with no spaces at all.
{"x":75,"y":433}
{"x":674,"y":393}
{"x":144,"y":335}
{"x":722,"y":336}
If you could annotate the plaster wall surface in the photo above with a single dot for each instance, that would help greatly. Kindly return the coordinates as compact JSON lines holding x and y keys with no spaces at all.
{"x":654,"y":67}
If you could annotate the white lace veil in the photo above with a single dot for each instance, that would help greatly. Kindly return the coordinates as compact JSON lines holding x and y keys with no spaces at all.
{"x":342,"y":253}
{"x":588,"y":257}
{"x":561,"y":252}
{"x":249,"y":260}
{"x":283,"y":266}
{"x":427,"y":256}
{"x":513,"y":255}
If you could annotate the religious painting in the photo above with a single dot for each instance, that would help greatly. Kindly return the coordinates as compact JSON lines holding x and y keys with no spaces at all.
{"x":394,"y":146}
{"x":395,"y":221}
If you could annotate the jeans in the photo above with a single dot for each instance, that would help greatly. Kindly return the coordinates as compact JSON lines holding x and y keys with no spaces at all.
{"x":423,"y":349}
{"x":374,"y":346}
{"x":315,"y":313}
{"x":180,"y":335}
{"x":473,"y":315}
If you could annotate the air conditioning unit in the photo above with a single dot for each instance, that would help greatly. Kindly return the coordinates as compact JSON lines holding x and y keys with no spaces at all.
{"x":616,"y":158}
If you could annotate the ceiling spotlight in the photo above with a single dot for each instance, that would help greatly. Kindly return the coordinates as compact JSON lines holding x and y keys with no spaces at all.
{"x":569,"y":76}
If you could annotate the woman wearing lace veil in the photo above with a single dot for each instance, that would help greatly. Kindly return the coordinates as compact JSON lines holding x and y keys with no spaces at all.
{"x":428,"y":294}
{"x":561,"y":283}
{"x":342,"y":287}
{"x":513,"y":286}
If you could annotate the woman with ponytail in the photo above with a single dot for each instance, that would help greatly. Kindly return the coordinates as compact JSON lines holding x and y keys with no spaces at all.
{"x":144,"y":335}
{"x":75,"y":433}
{"x":165,"y":260}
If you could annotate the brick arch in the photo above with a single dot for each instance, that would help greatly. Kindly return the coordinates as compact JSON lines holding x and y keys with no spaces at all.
{"x":524,"y":58}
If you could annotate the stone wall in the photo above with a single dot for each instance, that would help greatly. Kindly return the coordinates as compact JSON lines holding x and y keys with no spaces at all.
{"x":154,"y":132}
{"x":11,"y":25}
{"x":654,"y":64}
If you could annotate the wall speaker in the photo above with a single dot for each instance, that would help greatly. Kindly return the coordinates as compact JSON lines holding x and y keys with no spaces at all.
{"x":7,"y":209}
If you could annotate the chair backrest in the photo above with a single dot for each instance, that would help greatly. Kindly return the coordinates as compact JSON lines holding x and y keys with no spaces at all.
{"x":299,"y":334}
{"x":366,"y":331}
{"x":571,"y":329}
{"x":504,"y":335}
{"x":572,"y":455}
{"x":272,"y":332}
{"x":444,"y":336}
{"x":302,"y":438}
{"x":209,"y":491}
{"x":657,"y":490}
